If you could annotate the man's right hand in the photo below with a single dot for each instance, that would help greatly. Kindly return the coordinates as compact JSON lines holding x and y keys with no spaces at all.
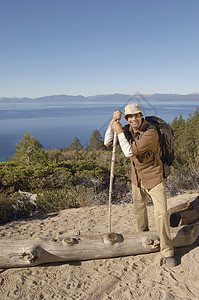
{"x":115,"y":124}
{"x":117,"y":115}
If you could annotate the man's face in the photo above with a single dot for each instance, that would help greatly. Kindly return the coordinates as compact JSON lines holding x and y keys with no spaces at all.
{"x":135,"y":120}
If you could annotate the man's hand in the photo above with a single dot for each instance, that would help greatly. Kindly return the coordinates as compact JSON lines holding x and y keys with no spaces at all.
{"x":115,"y":124}
{"x":117,"y":115}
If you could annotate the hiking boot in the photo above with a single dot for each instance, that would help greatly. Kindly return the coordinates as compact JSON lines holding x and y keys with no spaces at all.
{"x":170,"y":261}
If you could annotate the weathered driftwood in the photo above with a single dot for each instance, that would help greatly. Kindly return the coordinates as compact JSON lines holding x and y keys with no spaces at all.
{"x":32,"y":252}
{"x":184,"y":213}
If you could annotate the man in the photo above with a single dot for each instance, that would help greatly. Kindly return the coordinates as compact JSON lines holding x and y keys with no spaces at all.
{"x":140,"y":143}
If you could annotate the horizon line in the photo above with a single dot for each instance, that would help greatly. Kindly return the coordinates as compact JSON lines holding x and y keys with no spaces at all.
{"x":97,"y":95}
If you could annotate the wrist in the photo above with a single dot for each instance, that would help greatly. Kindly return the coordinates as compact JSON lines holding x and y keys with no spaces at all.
{"x":119,"y":130}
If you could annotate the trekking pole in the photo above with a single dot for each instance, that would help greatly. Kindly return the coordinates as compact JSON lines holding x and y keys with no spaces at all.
{"x":111,"y":178}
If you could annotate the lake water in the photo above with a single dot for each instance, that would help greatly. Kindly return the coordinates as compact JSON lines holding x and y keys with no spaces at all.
{"x":57,"y":123}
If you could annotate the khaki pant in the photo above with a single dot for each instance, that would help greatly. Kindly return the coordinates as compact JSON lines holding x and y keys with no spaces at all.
{"x":158,"y":195}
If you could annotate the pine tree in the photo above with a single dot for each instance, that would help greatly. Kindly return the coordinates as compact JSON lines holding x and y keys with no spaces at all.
{"x":76,"y":145}
{"x":196,"y":124}
{"x":53,"y":155}
{"x":96,"y":141}
{"x":191,"y":131}
{"x":196,"y":133}
{"x":29,"y":151}
{"x":178,"y":126}
{"x":187,"y":139}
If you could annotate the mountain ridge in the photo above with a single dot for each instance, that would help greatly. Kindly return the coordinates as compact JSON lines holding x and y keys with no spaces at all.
{"x":106,"y":97}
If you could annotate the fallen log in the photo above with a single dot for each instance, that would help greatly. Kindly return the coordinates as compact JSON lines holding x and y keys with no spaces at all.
{"x":185,"y":213}
{"x":32,"y":252}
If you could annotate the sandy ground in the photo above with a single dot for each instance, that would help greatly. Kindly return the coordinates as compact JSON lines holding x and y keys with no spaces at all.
{"x":132,"y":277}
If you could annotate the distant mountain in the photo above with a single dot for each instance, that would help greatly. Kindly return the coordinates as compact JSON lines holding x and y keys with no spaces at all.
{"x":173,"y":97}
{"x":46,"y":98}
{"x":108,"y":98}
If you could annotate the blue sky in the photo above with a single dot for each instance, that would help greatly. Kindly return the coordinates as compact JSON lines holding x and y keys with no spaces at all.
{"x":92,"y":47}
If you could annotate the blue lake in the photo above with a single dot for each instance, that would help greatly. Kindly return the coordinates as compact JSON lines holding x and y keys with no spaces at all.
{"x":57,"y":123}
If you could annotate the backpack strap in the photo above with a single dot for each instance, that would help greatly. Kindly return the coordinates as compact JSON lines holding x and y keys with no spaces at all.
{"x":150,"y":126}
{"x":127,"y":133}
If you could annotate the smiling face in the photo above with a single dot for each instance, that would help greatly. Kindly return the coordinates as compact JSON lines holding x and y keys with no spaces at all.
{"x":134,"y":120}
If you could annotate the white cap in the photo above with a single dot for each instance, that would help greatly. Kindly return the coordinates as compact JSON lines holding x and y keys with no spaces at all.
{"x":132,"y":109}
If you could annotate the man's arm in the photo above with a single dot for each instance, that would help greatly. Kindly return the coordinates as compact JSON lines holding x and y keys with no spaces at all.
{"x":149,"y":141}
{"x":116,"y":125}
{"x":108,"y":138}
{"x":124,"y":144}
